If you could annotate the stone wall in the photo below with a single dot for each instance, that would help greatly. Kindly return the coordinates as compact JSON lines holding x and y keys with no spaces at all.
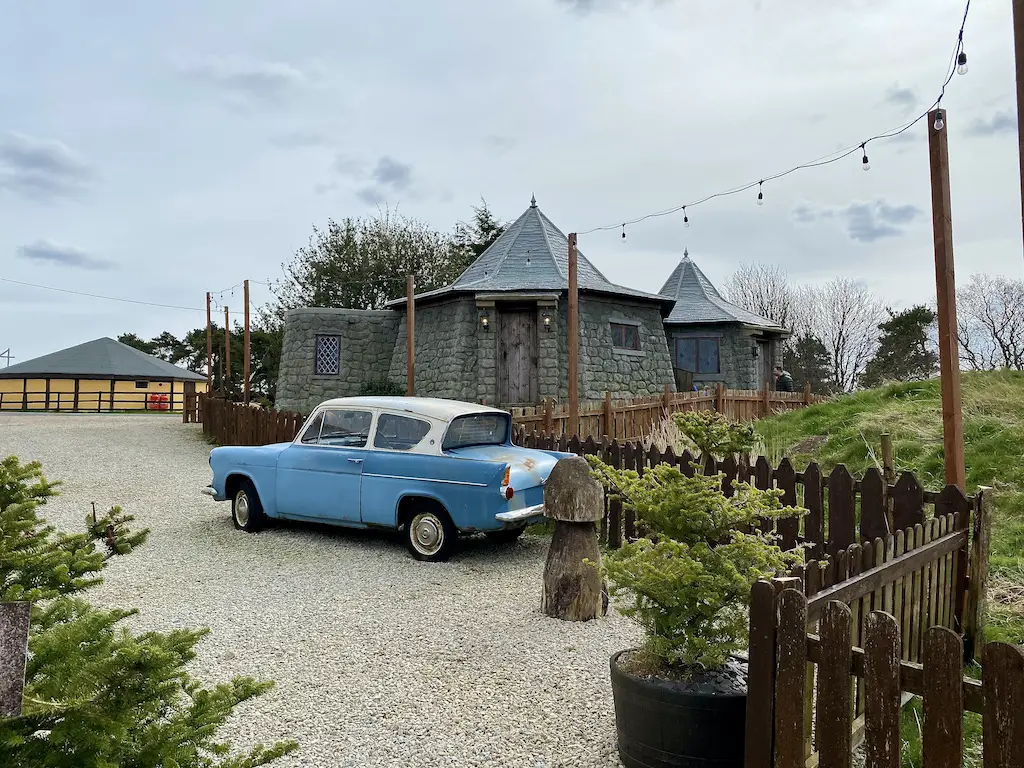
{"x":739,"y":368}
{"x":367,"y":346}
{"x":446,"y":350}
{"x":624,"y":373}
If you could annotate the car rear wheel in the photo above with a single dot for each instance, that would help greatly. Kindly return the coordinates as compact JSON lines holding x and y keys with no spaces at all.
{"x":505,"y":535}
{"x":430,"y":535}
{"x":246,"y":509}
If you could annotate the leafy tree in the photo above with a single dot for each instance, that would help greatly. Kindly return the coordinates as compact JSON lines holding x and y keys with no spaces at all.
{"x":132,"y":340}
{"x":809,"y":362}
{"x":904,"y":352}
{"x":363,"y":263}
{"x":97,"y":695}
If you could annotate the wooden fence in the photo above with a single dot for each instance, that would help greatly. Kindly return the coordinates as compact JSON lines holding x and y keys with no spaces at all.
{"x":835,"y":651}
{"x":93,"y":401}
{"x":639,"y":417}
{"x":842,"y":510}
{"x":234,"y":424}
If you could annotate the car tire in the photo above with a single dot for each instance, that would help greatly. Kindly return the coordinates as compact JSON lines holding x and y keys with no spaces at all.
{"x":430,"y":534}
{"x":246,"y":508}
{"x":505,"y":535}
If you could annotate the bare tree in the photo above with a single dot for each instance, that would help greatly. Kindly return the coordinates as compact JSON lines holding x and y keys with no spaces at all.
{"x":844,"y":315}
{"x":990,"y":322}
{"x":763,"y":289}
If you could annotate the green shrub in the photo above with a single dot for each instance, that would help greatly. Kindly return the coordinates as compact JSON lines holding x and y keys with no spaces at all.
{"x":96,"y":695}
{"x":687,"y":584}
{"x":712,"y":433}
{"x":383,"y":387}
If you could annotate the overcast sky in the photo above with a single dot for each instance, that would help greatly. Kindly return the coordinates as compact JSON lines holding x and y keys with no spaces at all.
{"x":158,"y":151}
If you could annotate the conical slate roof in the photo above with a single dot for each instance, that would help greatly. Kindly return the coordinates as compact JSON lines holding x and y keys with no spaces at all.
{"x":532,"y":254}
{"x":101,"y":358}
{"x":698,"y":301}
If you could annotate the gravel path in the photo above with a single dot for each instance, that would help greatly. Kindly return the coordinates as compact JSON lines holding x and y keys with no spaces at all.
{"x":378,"y":660}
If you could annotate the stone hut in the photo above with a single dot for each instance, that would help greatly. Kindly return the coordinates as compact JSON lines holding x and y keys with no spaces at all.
{"x":712,"y":340}
{"x":495,"y":335}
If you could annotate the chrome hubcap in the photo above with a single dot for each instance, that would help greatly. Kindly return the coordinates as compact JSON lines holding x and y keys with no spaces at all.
{"x":242,"y":508}
{"x":426,"y":534}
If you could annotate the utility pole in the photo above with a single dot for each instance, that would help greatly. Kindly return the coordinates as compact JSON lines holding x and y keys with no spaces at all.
{"x":574,"y":341}
{"x":209,"y":347}
{"x":247,"y":351}
{"x":945,"y":294}
{"x":227,"y":354}
{"x":410,"y":337}
{"x":1018,"y":49}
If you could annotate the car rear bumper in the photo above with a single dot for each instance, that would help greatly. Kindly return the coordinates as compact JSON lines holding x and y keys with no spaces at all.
{"x":517,"y":517}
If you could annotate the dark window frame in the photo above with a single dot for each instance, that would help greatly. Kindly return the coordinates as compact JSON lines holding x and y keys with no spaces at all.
{"x":317,"y":371}
{"x":698,"y":340}
{"x":622,"y":327}
{"x":142,"y":385}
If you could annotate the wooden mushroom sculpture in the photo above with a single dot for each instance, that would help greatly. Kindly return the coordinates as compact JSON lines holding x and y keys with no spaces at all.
{"x":573,"y":589}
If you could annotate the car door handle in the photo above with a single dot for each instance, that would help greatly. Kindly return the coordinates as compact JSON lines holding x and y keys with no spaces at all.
{"x":356,"y":461}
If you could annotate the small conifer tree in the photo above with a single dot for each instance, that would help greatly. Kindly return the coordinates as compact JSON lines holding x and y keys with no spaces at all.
{"x":97,"y":695}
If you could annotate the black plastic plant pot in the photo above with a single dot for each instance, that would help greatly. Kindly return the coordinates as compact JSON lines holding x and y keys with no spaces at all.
{"x":670,"y":724}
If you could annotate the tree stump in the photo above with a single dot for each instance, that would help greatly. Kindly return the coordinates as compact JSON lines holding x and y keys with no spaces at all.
{"x":573,"y":589}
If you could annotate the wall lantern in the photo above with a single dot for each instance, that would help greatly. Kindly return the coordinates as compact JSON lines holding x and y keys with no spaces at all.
{"x":753,"y":349}
{"x":485,"y":321}
{"x":547,"y":321}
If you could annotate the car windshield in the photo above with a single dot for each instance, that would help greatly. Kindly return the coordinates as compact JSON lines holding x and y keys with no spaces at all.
{"x":476,"y":429}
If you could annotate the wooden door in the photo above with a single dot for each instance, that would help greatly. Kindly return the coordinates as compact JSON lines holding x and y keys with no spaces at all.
{"x":517,"y":356}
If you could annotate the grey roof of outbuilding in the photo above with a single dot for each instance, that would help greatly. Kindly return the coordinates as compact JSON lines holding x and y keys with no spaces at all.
{"x":103,"y":358}
{"x":532,"y":254}
{"x":698,"y":301}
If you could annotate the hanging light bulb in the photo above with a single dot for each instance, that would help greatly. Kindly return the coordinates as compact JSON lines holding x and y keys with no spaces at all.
{"x":961,"y":63}
{"x":623,"y":231}
{"x":760,"y":194}
{"x":864,"y":161}
{"x":940,"y":123}
{"x":686,"y":219}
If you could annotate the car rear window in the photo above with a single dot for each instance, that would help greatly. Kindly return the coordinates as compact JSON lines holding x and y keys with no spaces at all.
{"x":476,"y":429}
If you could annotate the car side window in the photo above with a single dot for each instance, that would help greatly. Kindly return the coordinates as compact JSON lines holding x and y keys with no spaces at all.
{"x":399,"y":433}
{"x":312,"y":433}
{"x":346,"y":429}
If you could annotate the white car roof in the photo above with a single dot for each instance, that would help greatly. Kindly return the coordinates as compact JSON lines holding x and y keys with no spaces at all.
{"x":432,"y":407}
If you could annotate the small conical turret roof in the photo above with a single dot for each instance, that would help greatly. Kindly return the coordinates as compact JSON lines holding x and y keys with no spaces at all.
{"x":698,"y":301}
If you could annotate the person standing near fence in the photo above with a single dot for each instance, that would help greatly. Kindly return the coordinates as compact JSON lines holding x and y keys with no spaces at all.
{"x":783,"y":381}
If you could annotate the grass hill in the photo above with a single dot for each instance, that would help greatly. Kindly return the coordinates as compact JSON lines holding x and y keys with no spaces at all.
{"x":848,"y":431}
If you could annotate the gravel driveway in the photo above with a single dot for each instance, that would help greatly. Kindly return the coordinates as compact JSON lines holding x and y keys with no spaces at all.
{"x":379,"y":660}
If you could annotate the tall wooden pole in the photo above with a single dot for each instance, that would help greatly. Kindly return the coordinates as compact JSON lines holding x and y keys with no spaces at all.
{"x":209,"y":348}
{"x":945,"y":294}
{"x":227,"y":353}
{"x":246,"y":350}
{"x":574,"y":341}
{"x":410,"y":337}
{"x":1018,"y":49}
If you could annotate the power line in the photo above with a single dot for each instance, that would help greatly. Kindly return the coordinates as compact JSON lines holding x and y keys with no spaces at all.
{"x":98,"y":296}
{"x":957,"y":60}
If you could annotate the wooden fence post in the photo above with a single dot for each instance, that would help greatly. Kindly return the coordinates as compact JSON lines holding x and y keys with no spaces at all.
{"x":720,"y":397}
{"x":608,"y":417}
{"x":14,"y":619}
{"x":977,"y":579}
{"x":549,"y":422}
{"x":808,"y":397}
{"x":766,"y":400}
{"x":760,"y":727}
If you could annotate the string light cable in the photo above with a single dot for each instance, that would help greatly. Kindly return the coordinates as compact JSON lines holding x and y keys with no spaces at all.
{"x":958,"y":64}
{"x":98,"y":296}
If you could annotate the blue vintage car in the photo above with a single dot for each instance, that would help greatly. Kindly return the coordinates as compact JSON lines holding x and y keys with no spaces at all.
{"x":431,"y":468}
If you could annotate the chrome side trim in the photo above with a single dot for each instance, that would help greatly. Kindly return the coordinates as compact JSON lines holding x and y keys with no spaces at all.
{"x":515,"y":515}
{"x":426,"y":479}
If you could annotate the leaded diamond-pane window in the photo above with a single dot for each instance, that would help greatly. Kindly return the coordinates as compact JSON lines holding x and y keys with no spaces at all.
{"x":328,"y":355}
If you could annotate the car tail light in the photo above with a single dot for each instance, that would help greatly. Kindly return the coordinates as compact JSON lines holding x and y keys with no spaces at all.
{"x":508,"y":476}
{"x":509,"y":493}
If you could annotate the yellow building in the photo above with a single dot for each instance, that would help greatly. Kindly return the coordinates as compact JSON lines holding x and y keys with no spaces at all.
{"x":100,"y":375}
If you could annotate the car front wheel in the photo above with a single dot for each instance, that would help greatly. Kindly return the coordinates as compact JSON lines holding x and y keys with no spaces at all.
{"x":246,"y":509}
{"x":431,"y":536}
